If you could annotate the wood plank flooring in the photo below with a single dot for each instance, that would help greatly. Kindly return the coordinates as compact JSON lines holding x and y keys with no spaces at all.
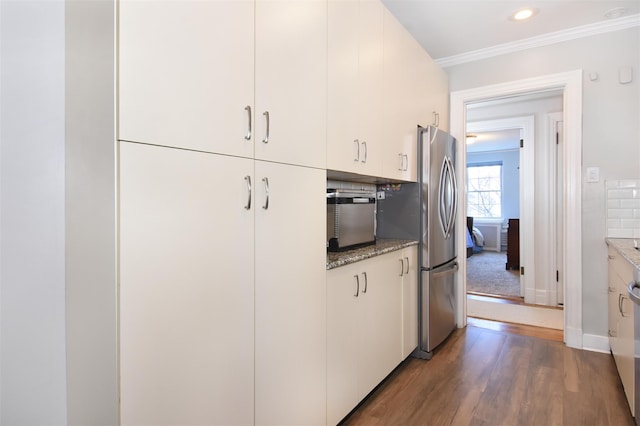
{"x":481,"y":376}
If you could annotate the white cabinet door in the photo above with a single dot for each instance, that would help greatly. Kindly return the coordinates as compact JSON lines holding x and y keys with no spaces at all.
{"x":344,"y":340}
{"x":186,"y":74}
{"x":622,"y":343}
{"x":400,"y":91}
{"x":343,"y":140}
{"x":370,"y":79}
{"x":355,"y":73}
{"x":409,"y":300}
{"x":291,"y":81}
{"x":364,"y":330}
{"x":186,"y":287}
{"x":290,"y":294}
{"x":382,"y":326}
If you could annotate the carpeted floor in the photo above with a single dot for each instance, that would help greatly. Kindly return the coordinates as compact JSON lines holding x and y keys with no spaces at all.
{"x":486,"y":273}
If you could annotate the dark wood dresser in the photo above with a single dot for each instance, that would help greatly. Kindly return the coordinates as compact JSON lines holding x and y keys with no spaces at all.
{"x":513,"y":244}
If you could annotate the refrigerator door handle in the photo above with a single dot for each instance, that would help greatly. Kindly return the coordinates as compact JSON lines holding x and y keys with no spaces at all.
{"x":451,"y":270}
{"x":442,"y":214}
{"x":454,"y":201}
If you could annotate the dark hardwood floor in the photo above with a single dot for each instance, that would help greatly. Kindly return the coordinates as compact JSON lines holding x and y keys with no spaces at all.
{"x":484,"y":376}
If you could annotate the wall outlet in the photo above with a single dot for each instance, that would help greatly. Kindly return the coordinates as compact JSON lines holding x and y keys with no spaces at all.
{"x":380,"y":195}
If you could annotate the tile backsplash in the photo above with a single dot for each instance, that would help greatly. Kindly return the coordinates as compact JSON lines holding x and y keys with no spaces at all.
{"x":623,"y":208}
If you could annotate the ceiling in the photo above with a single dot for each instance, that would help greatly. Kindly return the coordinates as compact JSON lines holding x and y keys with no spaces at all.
{"x":446,"y":28}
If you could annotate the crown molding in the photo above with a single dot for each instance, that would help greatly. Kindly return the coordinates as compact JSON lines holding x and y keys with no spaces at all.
{"x":542,"y":40}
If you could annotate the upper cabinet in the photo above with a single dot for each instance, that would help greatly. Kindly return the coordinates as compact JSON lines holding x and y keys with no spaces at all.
{"x":355,"y":100}
{"x":416,"y":92}
{"x":187,"y":73}
{"x":291,"y":81}
{"x":381,"y":86}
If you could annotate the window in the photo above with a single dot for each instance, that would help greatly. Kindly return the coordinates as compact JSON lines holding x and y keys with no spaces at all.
{"x":484,"y":190}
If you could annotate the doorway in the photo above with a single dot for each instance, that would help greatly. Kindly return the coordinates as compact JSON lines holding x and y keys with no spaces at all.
{"x":499,"y":149}
{"x":493,"y":214}
{"x":570,"y":83}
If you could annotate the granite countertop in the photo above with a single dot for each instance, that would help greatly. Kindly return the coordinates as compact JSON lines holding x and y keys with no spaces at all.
{"x":382,"y":246}
{"x":625,"y":247}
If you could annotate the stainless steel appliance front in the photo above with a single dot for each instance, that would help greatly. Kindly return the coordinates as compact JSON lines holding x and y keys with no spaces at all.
{"x":350,"y":219}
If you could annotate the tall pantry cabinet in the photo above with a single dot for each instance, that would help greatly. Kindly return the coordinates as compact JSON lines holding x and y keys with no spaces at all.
{"x":222,"y":228}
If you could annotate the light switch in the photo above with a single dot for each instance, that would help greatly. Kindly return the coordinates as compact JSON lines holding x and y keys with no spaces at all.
{"x":593,"y":174}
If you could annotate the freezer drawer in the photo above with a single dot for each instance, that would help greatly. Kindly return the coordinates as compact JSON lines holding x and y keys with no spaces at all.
{"x":438,"y":314}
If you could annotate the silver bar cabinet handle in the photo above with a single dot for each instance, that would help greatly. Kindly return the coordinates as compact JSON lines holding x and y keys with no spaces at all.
{"x":401,"y":266}
{"x":401,"y":162}
{"x":366,"y":281}
{"x":248,"y":135}
{"x":357,"y":285}
{"x":405,"y":161}
{"x":407,"y":259}
{"x":266,"y":133}
{"x":248,"y":180}
{"x":357,"y":156}
{"x":365,"y":151}
{"x":266,"y":193}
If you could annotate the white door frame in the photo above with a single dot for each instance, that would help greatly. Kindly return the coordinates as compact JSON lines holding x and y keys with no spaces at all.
{"x":526,"y":124}
{"x":571,"y":84}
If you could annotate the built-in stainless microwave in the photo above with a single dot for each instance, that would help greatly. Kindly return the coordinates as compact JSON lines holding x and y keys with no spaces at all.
{"x":350,"y":218}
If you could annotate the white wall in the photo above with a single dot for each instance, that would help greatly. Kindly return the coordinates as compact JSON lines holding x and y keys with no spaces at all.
{"x":32,"y":228}
{"x":611,"y":132}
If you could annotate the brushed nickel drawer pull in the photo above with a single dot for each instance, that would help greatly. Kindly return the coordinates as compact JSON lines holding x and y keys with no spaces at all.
{"x":266,"y":133}
{"x":248,"y":135}
{"x":266,"y":193}
{"x":248,"y":180}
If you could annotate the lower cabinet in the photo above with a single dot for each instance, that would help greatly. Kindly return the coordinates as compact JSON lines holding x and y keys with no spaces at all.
{"x":409,"y":274}
{"x":222,"y":292}
{"x":365,"y":324}
{"x":621,"y":329}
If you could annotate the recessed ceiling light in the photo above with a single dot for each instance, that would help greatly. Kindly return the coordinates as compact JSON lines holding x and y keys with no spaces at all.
{"x":524,"y":14}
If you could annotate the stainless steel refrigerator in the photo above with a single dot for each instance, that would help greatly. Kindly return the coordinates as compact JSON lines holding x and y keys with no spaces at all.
{"x":426,"y":211}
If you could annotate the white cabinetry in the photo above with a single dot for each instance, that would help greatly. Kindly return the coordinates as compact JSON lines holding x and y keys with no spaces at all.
{"x":355,"y":55}
{"x":290,"y":295}
{"x":364,"y":330}
{"x":409,"y":274}
{"x":207,"y":250}
{"x":291,"y":81}
{"x":621,"y":329}
{"x":186,"y":287}
{"x":415,"y":93}
{"x":187,"y":72}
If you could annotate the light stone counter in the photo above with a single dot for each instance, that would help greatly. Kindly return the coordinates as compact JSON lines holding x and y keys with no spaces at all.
{"x":625,"y":247}
{"x":382,"y":246}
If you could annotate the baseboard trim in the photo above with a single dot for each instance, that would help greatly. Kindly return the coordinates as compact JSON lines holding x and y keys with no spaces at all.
{"x":595,"y":343}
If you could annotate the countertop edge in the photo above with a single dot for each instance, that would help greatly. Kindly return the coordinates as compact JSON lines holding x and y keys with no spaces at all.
{"x":625,"y":247}
{"x":336,"y":260}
